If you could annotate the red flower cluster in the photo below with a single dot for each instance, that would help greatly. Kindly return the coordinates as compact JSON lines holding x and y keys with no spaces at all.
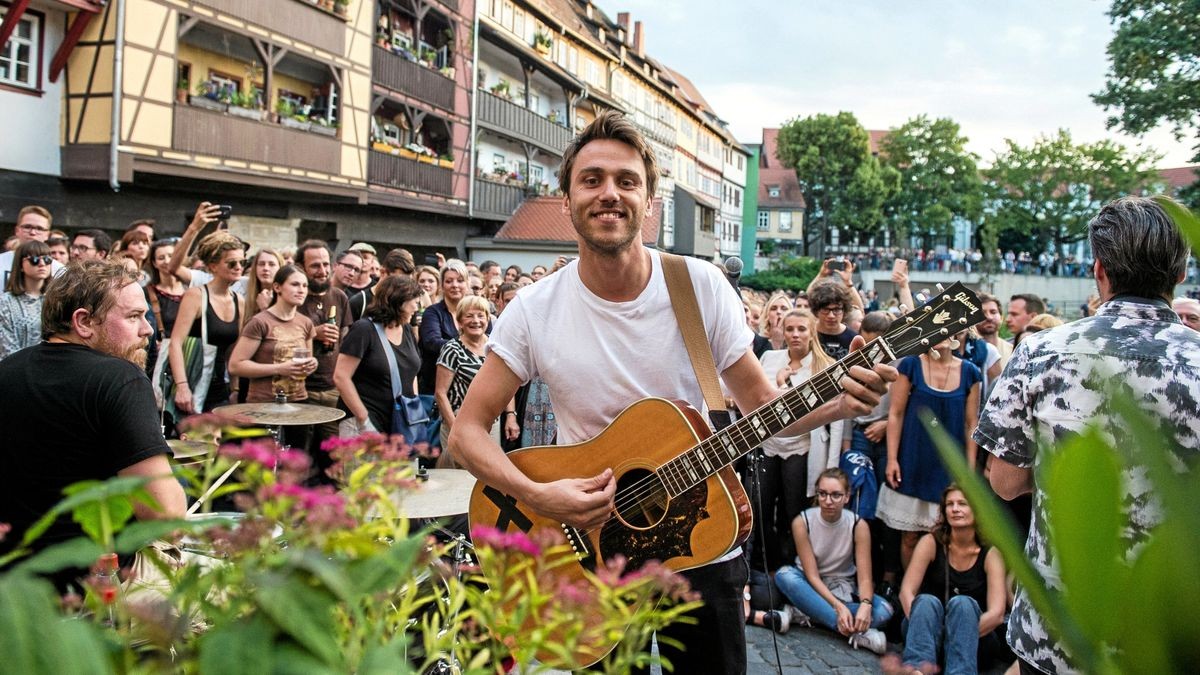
{"x":501,"y":541}
{"x":320,"y":508}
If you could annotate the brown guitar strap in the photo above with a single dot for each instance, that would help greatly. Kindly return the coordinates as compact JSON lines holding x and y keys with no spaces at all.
{"x":691,"y":325}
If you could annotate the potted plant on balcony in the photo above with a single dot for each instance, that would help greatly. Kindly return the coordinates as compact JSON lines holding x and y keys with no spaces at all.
{"x":428,"y":57}
{"x":501,"y":89}
{"x":245,"y":104}
{"x":342,"y":7}
{"x":447,"y":71}
{"x":411,"y":151}
{"x":446,"y":161}
{"x":499,"y":173}
{"x":206,"y":97}
{"x":542,"y":43}
{"x":181,"y":90}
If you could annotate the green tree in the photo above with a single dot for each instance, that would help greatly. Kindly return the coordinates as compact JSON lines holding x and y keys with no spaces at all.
{"x":1049,"y":191}
{"x":844,"y":186}
{"x":939,"y":180}
{"x":1154,"y":70}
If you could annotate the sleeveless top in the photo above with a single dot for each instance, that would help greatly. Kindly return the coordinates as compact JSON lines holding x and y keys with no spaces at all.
{"x":222,"y":335}
{"x":971,"y":582}
{"x":832,"y":544}
{"x":924,"y":474}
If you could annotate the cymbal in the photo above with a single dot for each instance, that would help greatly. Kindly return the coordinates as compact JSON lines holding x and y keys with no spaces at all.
{"x":282,"y":414}
{"x":182,"y":449}
{"x":447,"y":492}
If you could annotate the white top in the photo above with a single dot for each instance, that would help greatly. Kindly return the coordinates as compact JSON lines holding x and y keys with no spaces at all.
{"x":772,"y":362}
{"x":598,"y":357}
{"x":832,"y":544}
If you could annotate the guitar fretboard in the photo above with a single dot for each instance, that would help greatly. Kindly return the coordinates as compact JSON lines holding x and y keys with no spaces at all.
{"x":726,"y":446}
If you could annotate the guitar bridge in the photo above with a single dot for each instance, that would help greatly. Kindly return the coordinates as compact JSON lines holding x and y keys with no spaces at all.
{"x":581,"y":546}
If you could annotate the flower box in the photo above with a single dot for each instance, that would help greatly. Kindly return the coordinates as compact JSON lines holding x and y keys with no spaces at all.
{"x":446,"y":163}
{"x":323,"y":130}
{"x":293,"y":123}
{"x":207,"y":103}
{"x":238,"y":111}
{"x":407,"y":154}
{"x":426,"y":159}
{"x":384,"y":148}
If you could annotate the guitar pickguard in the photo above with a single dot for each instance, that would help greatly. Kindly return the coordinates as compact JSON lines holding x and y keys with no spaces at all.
{"x":670,"y":538}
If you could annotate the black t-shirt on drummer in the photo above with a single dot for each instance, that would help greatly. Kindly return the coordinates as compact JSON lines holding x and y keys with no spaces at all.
{"x":69,"y":413}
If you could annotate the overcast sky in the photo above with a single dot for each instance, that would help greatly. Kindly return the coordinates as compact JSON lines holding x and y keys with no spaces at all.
{"x":1002,"y":69}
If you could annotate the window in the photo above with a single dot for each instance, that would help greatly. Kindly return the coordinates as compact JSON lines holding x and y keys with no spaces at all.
{"x":773,"y":191}
{"x":737,"y":198}
{"x":21,"y":58}
{"x":785,"y":221}
{"x":764,"y":221}
{"x":222,"y":81}
{"x":535,"y":174}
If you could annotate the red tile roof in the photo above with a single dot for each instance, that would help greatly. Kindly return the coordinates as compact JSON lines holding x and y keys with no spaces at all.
{"x":773,"y":172}
{"x":874,"y":136}
{"x":1179,"y":177}
{"x":542,"y":219}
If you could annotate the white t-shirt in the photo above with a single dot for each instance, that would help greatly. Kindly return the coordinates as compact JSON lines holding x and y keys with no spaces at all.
{"x":598,"y":357}
{"x":6,"y":263}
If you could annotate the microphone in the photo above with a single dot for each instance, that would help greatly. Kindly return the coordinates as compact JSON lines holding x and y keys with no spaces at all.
{"x":733,"y":270}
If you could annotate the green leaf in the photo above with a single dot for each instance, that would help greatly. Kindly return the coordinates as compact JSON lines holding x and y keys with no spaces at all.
{"x":1187,"y":221}
{"x":1082,"y":484}
{"x":237,"y":648}
{"x":1160,"y":613}
{"x":290,"y":659}
{"x":77,"y":552}
{"x":377,"y":573}
{"x":30,"y":622}
{"x":303,"y":612}
{"x":86,"y":492}
{"x":385,"y":660}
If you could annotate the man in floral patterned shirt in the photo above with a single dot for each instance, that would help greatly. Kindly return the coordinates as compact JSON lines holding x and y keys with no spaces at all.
{"x":1057,"y":380}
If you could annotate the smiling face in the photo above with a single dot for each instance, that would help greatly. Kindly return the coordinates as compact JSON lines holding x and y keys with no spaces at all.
{"x":162,"y":259}
{"x":607,"y":199}
{"x":991,"y":319}
{"x":293,"y":290}
{"x":316,"y":267}
{"x":230,"y":266}
{"x":474,"y":323}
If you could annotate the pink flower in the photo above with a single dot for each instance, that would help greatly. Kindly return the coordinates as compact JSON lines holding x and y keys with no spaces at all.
{"x":5,"y":528}
{"x":512,"y":541}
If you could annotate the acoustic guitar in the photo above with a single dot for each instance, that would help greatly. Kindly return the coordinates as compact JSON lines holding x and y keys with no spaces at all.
{"x":678,"y":499}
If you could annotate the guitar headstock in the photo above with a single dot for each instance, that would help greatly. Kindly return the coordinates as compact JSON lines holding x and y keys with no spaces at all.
{"x":948,"y":312}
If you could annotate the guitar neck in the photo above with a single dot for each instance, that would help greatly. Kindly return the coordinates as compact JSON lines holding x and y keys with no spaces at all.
{"x":726,"y":446}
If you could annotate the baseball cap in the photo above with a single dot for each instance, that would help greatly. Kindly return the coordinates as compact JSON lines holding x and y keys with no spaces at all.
{"x":363,"y":246}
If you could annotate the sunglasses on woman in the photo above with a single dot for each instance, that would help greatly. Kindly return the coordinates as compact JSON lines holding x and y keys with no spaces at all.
{"x":236,"y":264}
{"x":39,"y":259}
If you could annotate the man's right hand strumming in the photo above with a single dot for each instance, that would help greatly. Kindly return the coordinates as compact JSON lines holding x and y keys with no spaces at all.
{"x":582,"y":503}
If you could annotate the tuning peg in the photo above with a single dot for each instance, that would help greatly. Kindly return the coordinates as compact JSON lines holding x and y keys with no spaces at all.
{"x":935,"y":354}
{"x":954,"y":343}
{"x":941,"y":288}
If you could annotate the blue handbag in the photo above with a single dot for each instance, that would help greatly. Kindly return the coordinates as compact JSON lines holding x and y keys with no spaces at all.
{"x":411,"y":416}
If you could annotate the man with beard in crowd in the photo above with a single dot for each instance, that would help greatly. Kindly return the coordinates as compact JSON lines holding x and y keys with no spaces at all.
{"x":989,"y":328}
{"x":78,"y":406}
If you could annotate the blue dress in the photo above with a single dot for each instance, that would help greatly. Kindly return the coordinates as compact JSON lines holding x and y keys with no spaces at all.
{"x":924,"y":475}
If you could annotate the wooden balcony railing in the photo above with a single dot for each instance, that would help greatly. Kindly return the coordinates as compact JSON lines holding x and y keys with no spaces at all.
{"x":304,"y":24}
{"x":217,"y":134}
{"x":408,"y":174}
{"x":508,"y":118}
{"x":400,"y":74}
{"x":495,"y":200}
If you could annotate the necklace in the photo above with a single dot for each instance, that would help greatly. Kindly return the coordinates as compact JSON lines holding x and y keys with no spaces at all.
{"x":932,"y":372}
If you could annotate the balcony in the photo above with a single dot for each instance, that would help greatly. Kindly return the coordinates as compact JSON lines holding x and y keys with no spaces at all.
{"x":399,"y":74}
{"x":309,"y":24}
{"x":509,"y":119}
{"x":495,"y":200}
{"x":656,"y":129}
{"x":407,"y":174}
{"x":205,"y":132}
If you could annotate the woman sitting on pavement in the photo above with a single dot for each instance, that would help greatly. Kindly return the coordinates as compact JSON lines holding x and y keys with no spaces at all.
{"x":832,"y":574}
{"x":953,"y":594}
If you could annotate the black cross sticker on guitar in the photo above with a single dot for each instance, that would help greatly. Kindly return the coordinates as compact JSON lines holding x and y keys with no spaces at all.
{"x":509,"y":513}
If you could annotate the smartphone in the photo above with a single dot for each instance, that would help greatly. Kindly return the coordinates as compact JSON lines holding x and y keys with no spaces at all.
{"x":900,"y":265}
{"x":836,"y":265}
{"x":224,"y":211}
{"x":431,"y":259}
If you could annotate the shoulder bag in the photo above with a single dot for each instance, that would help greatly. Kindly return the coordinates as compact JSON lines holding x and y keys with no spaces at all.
{"x":410,"y":419}
{"x":199,"y":360}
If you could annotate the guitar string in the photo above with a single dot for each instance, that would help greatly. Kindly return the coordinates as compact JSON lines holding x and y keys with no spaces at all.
{"x":823,"y":384}
{"x":654,"y":484}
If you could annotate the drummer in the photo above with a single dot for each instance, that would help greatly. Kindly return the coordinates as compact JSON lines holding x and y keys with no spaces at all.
{"x":275,"y":349}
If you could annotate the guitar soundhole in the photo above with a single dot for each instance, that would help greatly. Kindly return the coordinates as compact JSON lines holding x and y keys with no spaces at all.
{"x":641,"y":499}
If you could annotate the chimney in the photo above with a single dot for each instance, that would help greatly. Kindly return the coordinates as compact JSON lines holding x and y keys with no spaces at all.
{"x":639,"y":38}
{"x":623,"y":31}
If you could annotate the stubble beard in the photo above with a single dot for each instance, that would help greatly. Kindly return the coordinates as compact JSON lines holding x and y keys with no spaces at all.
{"x":606,"y":248}
{"x":318,"y":286}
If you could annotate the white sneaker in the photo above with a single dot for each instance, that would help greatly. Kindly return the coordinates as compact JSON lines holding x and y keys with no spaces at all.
{"x":871,"y":639}
{"x":798,"y":618}
{"x":785,"y":620}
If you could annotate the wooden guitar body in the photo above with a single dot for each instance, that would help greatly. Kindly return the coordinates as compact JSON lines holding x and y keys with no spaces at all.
{"x":699,"y":526}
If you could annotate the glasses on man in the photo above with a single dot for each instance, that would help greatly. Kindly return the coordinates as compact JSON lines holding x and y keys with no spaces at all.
{"x":832,"y":309}
{"x":33,"y":228}
{"x":353,"y":268}
{"x":80,"y":248}
{"x":830,"y":496}
{"x":235,"y":264}
{"x":39,"y":259}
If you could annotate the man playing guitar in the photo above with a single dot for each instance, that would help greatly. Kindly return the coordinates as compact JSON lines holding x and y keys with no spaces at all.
{"x":602,"y":334}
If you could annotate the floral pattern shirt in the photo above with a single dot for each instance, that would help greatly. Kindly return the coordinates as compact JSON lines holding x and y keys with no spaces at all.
{"x":20,"y":322}
{"x":1054,"y":386}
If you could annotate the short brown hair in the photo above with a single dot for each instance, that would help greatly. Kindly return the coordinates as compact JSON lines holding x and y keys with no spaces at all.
{"x":399,"y":260}
{"x":90,"y":285}
{"x":213,"y":246}
{"x":40,"y":210}
{"x":614,"y":126}
{"x":388,"y":298}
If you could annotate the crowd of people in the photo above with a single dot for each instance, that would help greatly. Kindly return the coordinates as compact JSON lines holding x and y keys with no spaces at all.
{"x":860,"y":529}
{"x":1008,"y":261}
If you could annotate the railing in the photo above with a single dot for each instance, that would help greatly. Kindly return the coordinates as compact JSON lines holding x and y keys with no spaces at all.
{"x":510,"y":119}
{"x":205,"y":132}
{"x":409,"y":174}
{"x":400,"y":74}
{"x":657,"y":129}
{"x":497,"y":200}
{"x":304,"y":24}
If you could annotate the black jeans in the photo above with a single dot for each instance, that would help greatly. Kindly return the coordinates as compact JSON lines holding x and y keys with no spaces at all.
{"x":783,"y":497}
{"x":716,"y":643}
